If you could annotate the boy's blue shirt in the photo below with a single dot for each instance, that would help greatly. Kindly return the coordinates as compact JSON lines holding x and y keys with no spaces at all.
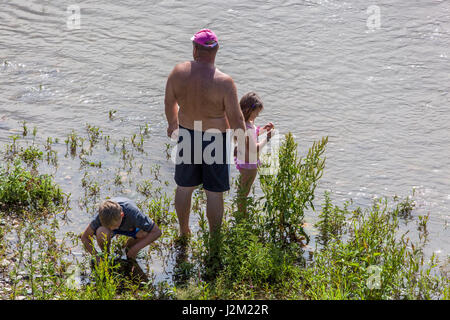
{"x":133,"y":217}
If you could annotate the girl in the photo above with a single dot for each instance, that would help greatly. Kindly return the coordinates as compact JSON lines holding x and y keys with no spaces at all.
{"x":247,"y":159}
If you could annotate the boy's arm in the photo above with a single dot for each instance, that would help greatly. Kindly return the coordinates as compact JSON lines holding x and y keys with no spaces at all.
{"x":86,"y":238}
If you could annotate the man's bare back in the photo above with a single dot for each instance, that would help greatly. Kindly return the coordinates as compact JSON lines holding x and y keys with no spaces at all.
{"x":205,"y":94}
{"x":200,"y":89}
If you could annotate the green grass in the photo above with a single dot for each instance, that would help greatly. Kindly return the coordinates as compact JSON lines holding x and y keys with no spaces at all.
{"x":23,"y":190}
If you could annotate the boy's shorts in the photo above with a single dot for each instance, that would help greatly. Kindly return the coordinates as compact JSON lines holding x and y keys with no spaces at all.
{"x":131,"y":234}
{"x":215,"y":176}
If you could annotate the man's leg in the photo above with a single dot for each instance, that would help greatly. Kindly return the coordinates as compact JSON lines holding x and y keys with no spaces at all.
{"x":183,"y":196}
{"x":214,"y":213}
{"x":214,"y":210}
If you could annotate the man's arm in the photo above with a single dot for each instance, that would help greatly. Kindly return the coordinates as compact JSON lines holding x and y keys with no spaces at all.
{"x":234,"y":116}
{"x":171,"y":106}
{"x":232,"y":109}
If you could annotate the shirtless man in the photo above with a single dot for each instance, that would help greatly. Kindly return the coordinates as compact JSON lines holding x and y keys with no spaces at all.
{"x":202,"y":93}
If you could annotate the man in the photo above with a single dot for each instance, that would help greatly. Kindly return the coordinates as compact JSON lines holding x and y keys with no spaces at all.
{"x":205,"y":94}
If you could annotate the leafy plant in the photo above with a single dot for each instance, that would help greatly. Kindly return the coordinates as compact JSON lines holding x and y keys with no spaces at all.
{"x":371,"y":261}
{"x":331,"y":221}
{"x":22,"y":190}
{"x":290,"y":192}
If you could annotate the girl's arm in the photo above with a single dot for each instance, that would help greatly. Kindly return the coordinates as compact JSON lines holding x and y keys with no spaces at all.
{"x":267,"y":127}
{"x":261,"y":144}
{"x":253,"y":147}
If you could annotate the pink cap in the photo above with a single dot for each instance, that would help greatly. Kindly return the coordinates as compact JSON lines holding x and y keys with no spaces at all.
{"x":206,"y":38}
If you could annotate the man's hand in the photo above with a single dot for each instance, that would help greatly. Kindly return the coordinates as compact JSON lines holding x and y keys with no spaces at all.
{"x":172,"y":130}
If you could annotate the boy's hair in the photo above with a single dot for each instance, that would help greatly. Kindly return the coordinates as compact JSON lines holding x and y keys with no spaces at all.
{"x":250,"y":102}
{"x":109,"y":212}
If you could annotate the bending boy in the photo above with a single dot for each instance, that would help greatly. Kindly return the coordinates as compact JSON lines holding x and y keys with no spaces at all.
{"x":120,"y":216}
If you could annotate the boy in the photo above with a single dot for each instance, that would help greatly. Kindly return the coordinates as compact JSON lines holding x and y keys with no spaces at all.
{"x":120,"y":216}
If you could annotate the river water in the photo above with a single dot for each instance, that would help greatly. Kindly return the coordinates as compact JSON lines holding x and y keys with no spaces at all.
{"x":376,"y":85}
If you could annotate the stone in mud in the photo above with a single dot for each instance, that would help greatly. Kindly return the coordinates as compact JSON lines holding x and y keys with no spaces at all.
{"x":4,"y":263}
{"x":123,"y":176}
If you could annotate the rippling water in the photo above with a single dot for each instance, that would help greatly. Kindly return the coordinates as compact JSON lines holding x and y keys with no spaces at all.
{"x":381,"y":95}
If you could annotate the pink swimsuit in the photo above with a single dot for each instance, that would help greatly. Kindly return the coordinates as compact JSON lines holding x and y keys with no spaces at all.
{"x":242,"y":164}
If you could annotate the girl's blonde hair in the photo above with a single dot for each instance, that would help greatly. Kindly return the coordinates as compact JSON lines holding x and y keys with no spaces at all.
{"x":250,"y":102}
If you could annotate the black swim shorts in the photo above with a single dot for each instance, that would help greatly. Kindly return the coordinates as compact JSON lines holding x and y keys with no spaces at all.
{"x":207,"y":162}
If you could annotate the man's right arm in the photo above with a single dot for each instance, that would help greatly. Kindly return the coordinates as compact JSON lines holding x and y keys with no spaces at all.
{"x":171,"y":106}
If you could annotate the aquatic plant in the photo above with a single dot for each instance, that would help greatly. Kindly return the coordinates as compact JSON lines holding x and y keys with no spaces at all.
{"x":370,"y":260}
{"x":72,"y":142}
{"x":405,"y":206}
{"x":331,"y":220}
{"x":93,"y":137}
{"x":112,"y":113}
{"x":290,"y":192}
{"x":31,"y":156}
{"x":21,"y":190}
{"x":25,"y":128}
{"x":52,"y":155}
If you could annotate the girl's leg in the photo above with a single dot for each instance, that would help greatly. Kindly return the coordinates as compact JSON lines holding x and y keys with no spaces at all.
{"x":246,"y":180}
